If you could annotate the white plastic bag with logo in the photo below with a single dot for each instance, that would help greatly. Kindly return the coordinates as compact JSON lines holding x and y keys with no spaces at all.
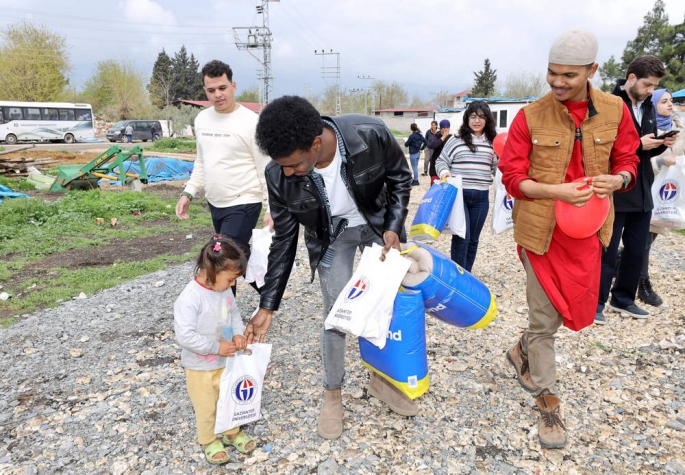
{"x":668,"y":196}
{"x":259,"y":257}
{"x":364,"y":307}
{"x":456,"y":223}
{"x":240,"y":389}
{"x":503,"y":207}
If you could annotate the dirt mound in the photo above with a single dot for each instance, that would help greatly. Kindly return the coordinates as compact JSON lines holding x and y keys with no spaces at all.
{"x":62,"y":158}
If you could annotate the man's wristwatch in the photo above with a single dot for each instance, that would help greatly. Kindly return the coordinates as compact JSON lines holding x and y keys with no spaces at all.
{"x":190,"y":197}
{"x":626,"y":181}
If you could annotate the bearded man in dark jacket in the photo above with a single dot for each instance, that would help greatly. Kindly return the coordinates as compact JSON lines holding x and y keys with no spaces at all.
{"x":633,"y":209}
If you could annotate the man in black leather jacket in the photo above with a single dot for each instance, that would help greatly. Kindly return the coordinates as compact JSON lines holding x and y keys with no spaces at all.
{"x":347,"y":181}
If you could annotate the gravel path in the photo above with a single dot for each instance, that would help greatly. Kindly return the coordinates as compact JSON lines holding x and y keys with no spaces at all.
{"x":95,"y":386}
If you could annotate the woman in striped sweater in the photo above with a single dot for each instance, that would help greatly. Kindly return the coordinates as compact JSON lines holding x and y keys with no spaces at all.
{"x":469,"y":153}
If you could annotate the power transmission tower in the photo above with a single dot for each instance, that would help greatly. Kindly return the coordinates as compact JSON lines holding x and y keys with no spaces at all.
{"x":332,"y":72}
{"x":366,"y":77}
{"x":259,"y":37}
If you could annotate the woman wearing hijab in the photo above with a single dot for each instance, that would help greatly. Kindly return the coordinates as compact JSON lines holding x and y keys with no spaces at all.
{"x":665,"y":120}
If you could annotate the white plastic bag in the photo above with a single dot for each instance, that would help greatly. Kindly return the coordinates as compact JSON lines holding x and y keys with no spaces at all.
{"x":240,"y":389}
{"x":456,"y":223}
{"x":503,"y":207}
{"x":259,"y":257}
{"x":364,"y":307}
{"x":668,"y":197}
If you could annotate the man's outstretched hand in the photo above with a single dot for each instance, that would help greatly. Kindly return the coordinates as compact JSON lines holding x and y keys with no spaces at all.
{"x":258,"y":326}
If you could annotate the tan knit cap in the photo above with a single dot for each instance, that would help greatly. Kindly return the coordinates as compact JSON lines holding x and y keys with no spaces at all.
{"x":574,"y":48}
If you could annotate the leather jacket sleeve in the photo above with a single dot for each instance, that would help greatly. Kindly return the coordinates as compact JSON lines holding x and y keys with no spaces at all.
{"x":283,"y":245}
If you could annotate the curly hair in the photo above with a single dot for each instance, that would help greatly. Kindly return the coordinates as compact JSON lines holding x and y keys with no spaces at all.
{"x":219,"y":254}
{"x":216,"y":69}
{"x":287,"y":125}
{"x":465,"y":132}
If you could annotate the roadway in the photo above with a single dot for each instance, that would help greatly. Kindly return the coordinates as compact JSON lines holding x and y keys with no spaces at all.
{"x":73,"y":147}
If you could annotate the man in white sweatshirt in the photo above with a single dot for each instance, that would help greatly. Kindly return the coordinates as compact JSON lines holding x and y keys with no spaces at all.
{"x":229,"y":165}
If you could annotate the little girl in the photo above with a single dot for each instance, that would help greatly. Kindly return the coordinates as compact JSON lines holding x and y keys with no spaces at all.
{"x":209,"y":328}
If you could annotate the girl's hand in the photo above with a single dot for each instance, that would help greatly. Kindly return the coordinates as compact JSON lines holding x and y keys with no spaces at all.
{"x":227,"y":348}
{"x":240,"y":342}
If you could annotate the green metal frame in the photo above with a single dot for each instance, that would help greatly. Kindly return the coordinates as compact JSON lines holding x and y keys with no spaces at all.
{"x":80,"y":177}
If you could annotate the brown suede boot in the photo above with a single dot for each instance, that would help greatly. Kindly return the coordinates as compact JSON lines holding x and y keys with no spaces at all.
{"x":551,"y":429}
{"x":519,"y":361}
{"x":393,"y":397}
{"x":331,"y":416}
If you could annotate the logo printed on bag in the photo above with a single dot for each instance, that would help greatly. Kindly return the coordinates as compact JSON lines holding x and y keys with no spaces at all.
{"x":358,"y":290}
{"x":508,"y":202}
{"x":437,"y":308}
{"x":668,"y":191}
{"x":397,"y":336}
{"x":426,"y":200}
{"x":244,"y":390}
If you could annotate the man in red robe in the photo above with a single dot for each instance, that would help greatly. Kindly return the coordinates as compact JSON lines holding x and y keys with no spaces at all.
{"x":573,"y":132}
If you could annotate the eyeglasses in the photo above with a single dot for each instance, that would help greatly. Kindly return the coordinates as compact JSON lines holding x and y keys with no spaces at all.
{"x":477,"y":117}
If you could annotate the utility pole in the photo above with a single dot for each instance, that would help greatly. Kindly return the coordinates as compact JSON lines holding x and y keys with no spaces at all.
{"x":332,"y":72}
{"x":366,"y":77}
{"x":259,"y":37}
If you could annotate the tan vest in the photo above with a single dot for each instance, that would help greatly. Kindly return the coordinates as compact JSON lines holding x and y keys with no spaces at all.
{"x":552,"y":132}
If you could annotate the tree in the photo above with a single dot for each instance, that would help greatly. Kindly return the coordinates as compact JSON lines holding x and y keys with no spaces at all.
{"x":160,"y":81}
{"x":179,"y":118}
{"x":249,"y":95}
{"x":673,"y":54}
{"x":666,"y":42}
{"x":33,"y":64}
{"x":389,"y":96}
{"x":484,"y":85}
{"x":609,"y":73}
{"x":651,"y":36}
{"x":417,"y":102}
{"x":116,"y":90}
{"x":186,"y":79}
{"x":442,"y":99}
{"x":525,"y":85}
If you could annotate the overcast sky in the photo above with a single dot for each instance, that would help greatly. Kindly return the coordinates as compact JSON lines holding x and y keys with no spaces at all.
{"x":426,"y":45}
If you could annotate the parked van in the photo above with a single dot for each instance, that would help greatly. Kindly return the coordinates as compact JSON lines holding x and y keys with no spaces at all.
{"x":142,"y":130}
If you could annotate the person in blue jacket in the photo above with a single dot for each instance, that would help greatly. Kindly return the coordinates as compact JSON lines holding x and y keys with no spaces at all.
{"x":416,"y":142}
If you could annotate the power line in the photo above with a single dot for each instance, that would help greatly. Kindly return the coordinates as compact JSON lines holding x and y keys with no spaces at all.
{"x":117,"y":30}
{"x":316,"y":33}
{"x":108,"y":21}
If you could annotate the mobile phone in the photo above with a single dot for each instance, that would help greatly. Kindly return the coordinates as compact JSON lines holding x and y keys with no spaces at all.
{"x":670,"y":133}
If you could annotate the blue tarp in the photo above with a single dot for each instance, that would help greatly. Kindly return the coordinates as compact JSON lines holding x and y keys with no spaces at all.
{"x":94,"y":139}
{"x":161,"y":169}
{"x":7,"y":193}
{"x":679,"y":94}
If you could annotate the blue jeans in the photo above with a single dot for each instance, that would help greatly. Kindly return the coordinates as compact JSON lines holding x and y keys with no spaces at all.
{"x":237,"y":223}
{"x":476,"y":205}
{"x":333,"y":279}
{"x":414,"y":158}
{"x":633,"y":229}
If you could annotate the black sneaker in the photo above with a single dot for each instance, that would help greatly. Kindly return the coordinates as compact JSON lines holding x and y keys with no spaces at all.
{"x":646,"y":293}
{"x":415,"y":183}
{"x":600,"y":319}
{"x":632,"y":310}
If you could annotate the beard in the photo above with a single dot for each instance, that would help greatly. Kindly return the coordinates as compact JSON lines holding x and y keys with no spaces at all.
{"x":635,"y":94}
